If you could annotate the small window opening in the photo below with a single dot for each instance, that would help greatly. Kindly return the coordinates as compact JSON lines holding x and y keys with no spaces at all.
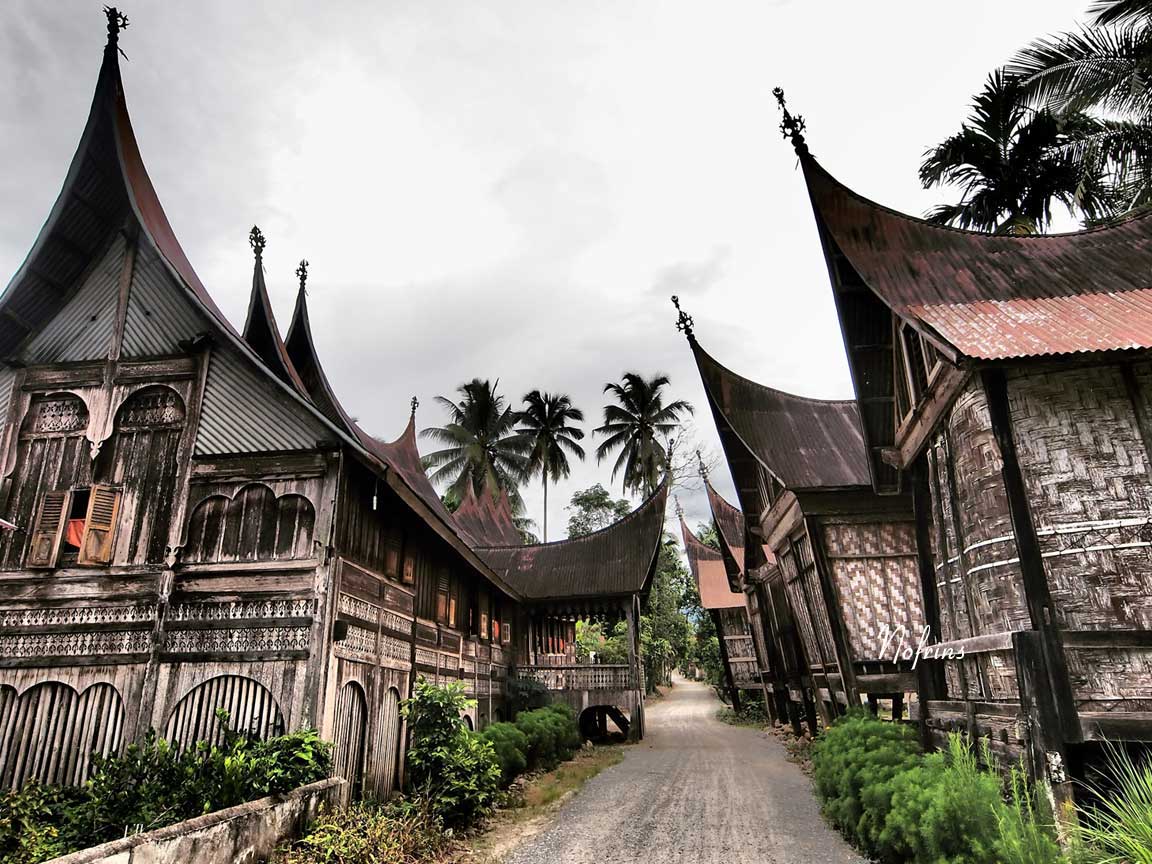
{"x":74,"y":526}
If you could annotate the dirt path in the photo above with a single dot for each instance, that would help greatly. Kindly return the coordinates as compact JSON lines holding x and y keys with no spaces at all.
{"x":695,"y":790}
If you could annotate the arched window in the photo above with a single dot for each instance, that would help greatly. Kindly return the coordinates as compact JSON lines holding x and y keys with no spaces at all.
{"x":50,"y":732}
{"x":389,"y":743}
{"x":251,"y":707}
{"x":56,"y":414}
{"x":151,"y":408}
{"x":254,"y":525}
{"x":349,"y":738}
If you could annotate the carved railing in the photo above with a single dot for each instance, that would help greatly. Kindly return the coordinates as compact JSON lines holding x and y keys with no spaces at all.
{"x":580,"y":677}
{"x":745,"y":671}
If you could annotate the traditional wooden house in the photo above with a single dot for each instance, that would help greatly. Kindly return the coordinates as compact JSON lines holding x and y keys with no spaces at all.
{"x":729,"y":614}
{"x":846,"y":556}
{"x":1004,"y":381}
{"x":198,"y":523}
{"x":602,"y":576}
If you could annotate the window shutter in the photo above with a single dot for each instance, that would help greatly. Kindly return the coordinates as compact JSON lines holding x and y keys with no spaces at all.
{"x":46,"y":532}
{"x":100,"y":526}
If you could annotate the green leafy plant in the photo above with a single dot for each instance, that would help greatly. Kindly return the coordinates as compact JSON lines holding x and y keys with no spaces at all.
{"x":392,"y":834}
{"x":511,"y":748}
{"x":552,"y":734}
{"x":453,"y":771}
{"x":1117,"y":828}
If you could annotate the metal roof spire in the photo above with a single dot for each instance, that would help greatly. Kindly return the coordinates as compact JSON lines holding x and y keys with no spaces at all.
{"x":684,"y":321}
{"x":415,"y":405}
{"x":117,"y":21}
{"x":302,"y":275}
{"x":679,"y":507}
{"x":702,"y":467}
{"x":791,"y":127}
{"x":257,"y":242}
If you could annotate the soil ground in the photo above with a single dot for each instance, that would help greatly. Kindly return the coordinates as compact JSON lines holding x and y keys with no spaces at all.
{"x":695,"y":790}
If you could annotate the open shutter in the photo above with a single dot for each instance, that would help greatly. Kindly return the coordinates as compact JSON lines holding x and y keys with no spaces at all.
{"x":100,"y":526}
{"x":46,"y":532}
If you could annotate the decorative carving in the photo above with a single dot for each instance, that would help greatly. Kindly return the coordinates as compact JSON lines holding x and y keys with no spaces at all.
{"x":359,"y":644}
{"x":395,"y":649}
{"x":59,"y":414}
{"x":76,"y":615}
{"x":239,"y":610}
{"x":357,"y":608}
{"x":76,"y":644}
{"x":242,"y":640}
{"x":392,"y":621}
{"x":150,"y":408}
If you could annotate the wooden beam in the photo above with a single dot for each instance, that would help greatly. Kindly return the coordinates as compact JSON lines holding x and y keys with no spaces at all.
{"x":1036,"y":589}
{"x":913,"y":434}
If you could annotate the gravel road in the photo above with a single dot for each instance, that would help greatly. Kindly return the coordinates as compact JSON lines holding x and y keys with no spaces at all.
{"x":694,"y":790}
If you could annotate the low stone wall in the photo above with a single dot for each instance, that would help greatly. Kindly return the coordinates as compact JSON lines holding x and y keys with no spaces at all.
{"x":244,"y":834}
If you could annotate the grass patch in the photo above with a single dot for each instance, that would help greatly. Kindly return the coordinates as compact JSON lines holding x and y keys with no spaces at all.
{"x":752,"y":719}
{"x":570,"y":776}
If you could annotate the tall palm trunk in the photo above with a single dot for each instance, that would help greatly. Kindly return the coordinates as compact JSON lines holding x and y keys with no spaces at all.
{"x":545,"y":506}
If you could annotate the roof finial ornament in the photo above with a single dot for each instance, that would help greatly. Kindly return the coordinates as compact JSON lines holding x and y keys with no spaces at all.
{"x":684,"y":321}
{"x":791,"y":126}
{"x":679,"y":507}
{"x":302,"y":275}
{"x":256,"y":241}
{"x":702,"y":467}
{"x":415,"y":405}
{"x":117,"y":21}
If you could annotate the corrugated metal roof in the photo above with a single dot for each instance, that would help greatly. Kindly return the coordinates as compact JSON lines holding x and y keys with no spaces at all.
{"x":82,"y":329}
{"x":7,"y":379}
{"x":806,"y":443}
{"x":707,"y":565}
{"x":487,"y":520}
{"x":996,"y":296}
{"x":242,"y":414}
{"x":159,"y":315}
{"x":729,"y":524}
{"x":617,"y":560}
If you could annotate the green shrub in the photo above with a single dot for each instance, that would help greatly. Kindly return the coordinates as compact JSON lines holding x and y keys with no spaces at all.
{"x":453,"y":771}
{"x":526,"y":694}
{"x":511,"y":748}
{"x":369,"y":833}
{"x":150,"y":785}
{"x":859,"y":752}
{"x":552,"y":733}
{"x":1025,"y":838}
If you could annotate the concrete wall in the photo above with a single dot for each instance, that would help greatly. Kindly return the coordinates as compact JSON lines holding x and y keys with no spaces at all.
{"x":244,"y":834}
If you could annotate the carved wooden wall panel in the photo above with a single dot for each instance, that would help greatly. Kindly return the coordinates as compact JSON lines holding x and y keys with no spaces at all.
{"x":255,"y":524}
{"x":48,"y":732}
{"x":251,"y":708}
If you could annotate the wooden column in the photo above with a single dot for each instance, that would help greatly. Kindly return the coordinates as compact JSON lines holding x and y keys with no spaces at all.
{"x":1042,"y":673}
{"x":929,"y":676}
{"x":729,"y":678}
{"x":832,"y":603}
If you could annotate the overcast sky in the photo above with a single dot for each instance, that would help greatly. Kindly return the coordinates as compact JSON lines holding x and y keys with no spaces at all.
{"x":512,"y":190}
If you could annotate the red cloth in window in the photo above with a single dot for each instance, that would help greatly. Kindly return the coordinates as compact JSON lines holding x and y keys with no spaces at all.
{"x":73,"y":532}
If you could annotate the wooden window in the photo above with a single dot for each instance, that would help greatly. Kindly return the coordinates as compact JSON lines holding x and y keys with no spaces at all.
{"x":99,"y":526}
{"x":409,"y":569}
{"x":48,"y":529}
{"x":392,"y":562}
{"x":496,"y":629}
{"x":506,"y":633}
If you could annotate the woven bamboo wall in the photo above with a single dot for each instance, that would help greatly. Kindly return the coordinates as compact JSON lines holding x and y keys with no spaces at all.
{"x":875,"y":571}
{"x":1086,"y":469}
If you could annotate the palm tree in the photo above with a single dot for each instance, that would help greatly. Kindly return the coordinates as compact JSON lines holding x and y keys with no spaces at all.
{"x":482,"y":446}
{"x":1012,"y":163}
{"x":632,"y":426}
{"x":545,"y":422}
{"x":1104,"y":67}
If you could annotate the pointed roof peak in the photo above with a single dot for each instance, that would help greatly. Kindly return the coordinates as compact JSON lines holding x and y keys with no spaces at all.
{"x":791,"y":126}
{"x":302,"y":277}
{"x":117,"y":21}
{"x":415,"y":404}
{"x":256,"y":241}
{"x":684,"y":321}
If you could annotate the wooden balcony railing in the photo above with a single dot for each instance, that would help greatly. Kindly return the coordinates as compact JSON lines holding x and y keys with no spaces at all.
{"x":740,"y":648}
{"x":586,"y":677}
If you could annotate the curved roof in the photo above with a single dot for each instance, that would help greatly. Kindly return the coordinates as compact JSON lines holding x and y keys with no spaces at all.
{"x":805,"y":443}
{"x":614,"y":561}
{"x":487,"y":520}
{"x":996,"y":296}
{"x":708,"y":570}
{"x":729,"y":524}
{"x":107,"y":184}
{"x":262,"y":334}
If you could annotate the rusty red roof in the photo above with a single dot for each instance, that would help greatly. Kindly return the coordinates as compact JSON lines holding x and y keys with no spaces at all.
{"x":487,"y":519}
{"x":707,"y":565}
{"x":805,"y":443}
{"x":614,"y":561}
{"x":996,"y":296}
{"x":263,"y":335}
{"x":729,"y":524}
